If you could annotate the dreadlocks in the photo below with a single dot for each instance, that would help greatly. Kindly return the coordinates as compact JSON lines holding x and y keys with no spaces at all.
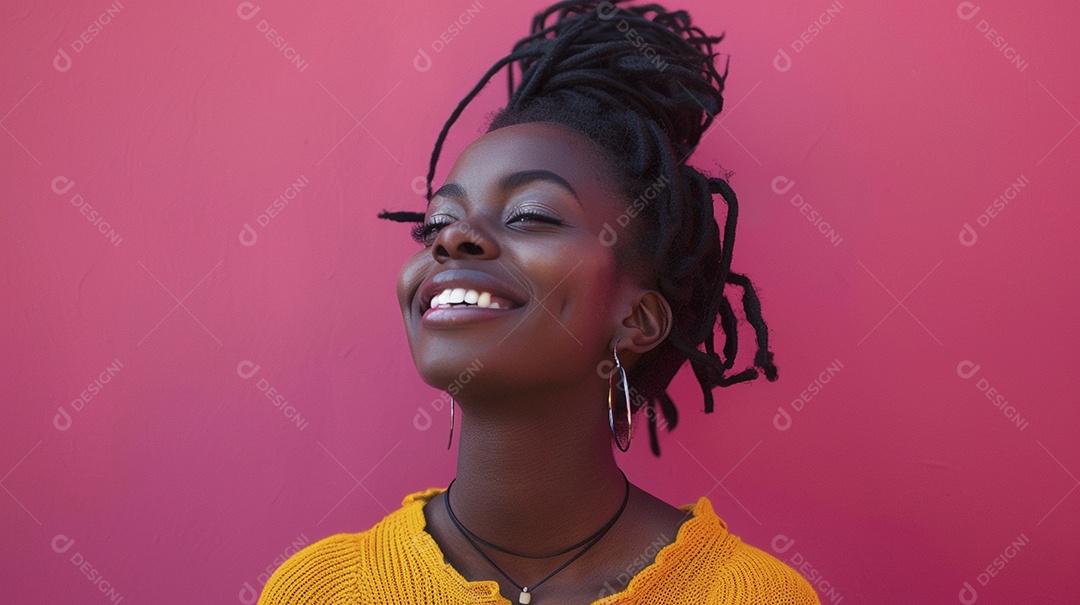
{"x":640,"y":82}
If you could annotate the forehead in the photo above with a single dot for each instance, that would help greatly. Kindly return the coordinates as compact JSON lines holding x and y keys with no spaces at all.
{"x":534,"y":146}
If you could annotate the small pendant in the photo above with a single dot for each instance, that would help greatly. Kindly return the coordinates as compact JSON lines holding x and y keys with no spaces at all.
{"x":525,"y":597}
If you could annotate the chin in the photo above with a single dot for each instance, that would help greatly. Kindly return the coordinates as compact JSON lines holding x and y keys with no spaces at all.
{"x":449,"y":368}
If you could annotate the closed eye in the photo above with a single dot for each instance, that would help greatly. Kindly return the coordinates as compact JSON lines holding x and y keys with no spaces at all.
{"x":534,"y":216}
{"x":425,"y":233}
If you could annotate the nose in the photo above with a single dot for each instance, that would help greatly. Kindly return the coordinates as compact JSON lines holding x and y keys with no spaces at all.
{"x":463,"y":239}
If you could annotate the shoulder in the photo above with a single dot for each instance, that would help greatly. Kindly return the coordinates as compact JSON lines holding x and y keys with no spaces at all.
{"x":337,"y":567}
{"x":321,"y":572}
{"x":741,"y":573}
{"x":760,"y":573}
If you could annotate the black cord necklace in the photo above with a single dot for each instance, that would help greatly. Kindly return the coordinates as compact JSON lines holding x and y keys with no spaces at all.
{"x":525,"y":597}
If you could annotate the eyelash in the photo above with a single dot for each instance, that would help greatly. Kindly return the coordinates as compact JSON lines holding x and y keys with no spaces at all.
{"x":424,"y":233}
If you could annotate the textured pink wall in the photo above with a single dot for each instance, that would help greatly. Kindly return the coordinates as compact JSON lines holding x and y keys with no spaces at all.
{"x":189,"y":215}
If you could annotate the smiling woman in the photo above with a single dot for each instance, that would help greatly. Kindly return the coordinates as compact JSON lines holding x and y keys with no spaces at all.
{"x":574,"y":258}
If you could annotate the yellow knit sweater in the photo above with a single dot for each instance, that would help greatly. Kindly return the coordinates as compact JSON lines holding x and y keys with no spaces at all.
{"x":397,"y":562}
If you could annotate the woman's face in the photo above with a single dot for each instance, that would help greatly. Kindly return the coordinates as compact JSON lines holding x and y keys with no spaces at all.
{"x":526,"y":293}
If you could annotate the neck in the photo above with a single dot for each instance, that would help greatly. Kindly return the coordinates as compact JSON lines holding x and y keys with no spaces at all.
{"x":536,"y":477}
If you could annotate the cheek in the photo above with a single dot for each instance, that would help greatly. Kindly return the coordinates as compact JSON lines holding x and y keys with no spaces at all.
{"x":599,"y":293}
{"x":410,"y":276}
{"x":588,"y":293}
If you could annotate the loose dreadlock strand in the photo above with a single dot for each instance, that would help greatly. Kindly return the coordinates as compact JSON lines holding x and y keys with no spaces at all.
{"x":402,"y":216}
{"x":461,"y":108}
{"x":703,"y":373}
{"x":654,"y":442}
{"x":648,"y":114}
{"x":752,"y":306}
{"x":719,"y":185}
{"x":671,"y":418}
{"x":728,"y":323}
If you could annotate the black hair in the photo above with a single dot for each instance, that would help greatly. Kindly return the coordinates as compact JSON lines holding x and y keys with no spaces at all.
{"x":641,"y":82}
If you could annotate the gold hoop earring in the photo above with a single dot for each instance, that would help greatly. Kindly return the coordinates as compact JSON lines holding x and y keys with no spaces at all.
{"x":623,"y":442}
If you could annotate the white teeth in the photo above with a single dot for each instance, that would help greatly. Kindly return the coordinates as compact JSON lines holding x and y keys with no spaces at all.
{"x":451,"y":296}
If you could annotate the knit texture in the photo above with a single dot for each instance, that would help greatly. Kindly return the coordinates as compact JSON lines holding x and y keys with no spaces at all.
{"x":397,"y":562}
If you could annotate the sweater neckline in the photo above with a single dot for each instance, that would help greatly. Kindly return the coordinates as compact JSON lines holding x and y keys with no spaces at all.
{"x":703,"y":525}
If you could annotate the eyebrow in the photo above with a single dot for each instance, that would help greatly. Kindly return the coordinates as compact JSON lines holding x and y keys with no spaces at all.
{"x":512,"y":181}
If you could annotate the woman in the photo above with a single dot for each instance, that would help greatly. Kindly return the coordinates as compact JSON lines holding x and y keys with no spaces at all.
{"x":574,"y":259}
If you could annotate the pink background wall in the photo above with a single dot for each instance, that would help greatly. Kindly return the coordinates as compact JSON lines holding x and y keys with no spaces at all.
{"x":177,"y":126}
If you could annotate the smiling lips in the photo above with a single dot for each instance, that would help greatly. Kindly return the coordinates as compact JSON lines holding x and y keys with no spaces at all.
{"x":461,"y":297}
{"x":459,"y":306}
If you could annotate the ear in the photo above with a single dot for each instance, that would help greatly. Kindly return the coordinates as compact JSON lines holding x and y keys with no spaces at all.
{"x":648,"y":323}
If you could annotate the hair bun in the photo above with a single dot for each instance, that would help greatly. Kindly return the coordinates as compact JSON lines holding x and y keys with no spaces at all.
{"x":643,"y":59}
